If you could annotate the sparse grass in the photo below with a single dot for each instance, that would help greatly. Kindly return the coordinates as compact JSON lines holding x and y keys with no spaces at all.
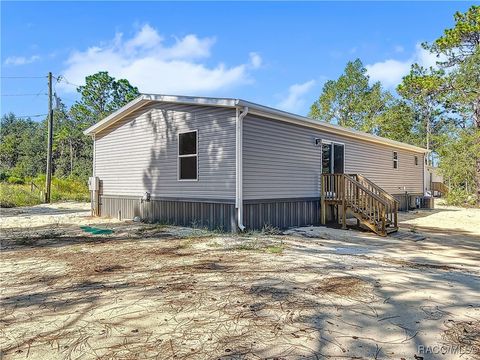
{"x":261,"y":246}
{"x":214,"y":244}
{"x":248,"y":246}
{"x":32,"y":238}
{"x":150,"y":228}
{"x":76,"y":248}
{"x":14,"y":195}
{"x":275,"y":249}
{"x":186,"y":243}
{"x":268,"y":229}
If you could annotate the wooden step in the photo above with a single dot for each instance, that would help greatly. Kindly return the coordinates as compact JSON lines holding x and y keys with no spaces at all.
{"x":363,"y":198}
{"x":391,"y":230}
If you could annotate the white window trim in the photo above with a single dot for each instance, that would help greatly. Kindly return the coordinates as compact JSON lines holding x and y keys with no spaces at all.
{"x":185,"y":156}
{"x":395,"y":160}
{"x":415,"y":160}
{"x":332,"y":153}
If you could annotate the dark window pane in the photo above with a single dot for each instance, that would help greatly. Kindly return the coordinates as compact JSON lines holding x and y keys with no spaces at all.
{"x":187,"y":143}
{"x":395,"y":155}
{"x":395,"y":164}
{"x":338,"y":153}
{"x":188,"y":168}
{"x":326,"y":158}
{"x":416,"y":160}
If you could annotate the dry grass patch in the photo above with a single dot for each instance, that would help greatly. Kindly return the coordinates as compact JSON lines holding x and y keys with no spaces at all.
{"x":345,"y":286}
{"x":464,"y":334}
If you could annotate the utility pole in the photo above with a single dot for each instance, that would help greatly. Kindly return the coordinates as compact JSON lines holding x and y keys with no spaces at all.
{"x":50,"y":140}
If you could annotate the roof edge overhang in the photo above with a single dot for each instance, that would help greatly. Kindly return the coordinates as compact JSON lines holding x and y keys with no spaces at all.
{"x":145,"y":99}
{"x":273,"y":113}
{"x":254,"y":109}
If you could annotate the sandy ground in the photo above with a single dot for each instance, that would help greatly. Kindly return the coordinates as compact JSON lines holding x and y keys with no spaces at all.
{"x":149,"y":291}
{"x":443,"y":218}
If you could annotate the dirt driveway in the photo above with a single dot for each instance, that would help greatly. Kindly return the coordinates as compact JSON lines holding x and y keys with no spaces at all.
{"x":149,"y":291}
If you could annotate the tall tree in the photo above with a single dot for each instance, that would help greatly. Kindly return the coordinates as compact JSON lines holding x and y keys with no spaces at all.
{"x":21,"y":145}
{"x":399,"y":122}
{"x":421,"y":88}
{"x":457,"y":162}
{"x":100,"y":96}
{"x":350,"y":100}
{"x":458,"y":50}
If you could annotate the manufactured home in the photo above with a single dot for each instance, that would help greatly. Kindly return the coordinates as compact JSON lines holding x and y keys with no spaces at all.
{"x":232,"y":164}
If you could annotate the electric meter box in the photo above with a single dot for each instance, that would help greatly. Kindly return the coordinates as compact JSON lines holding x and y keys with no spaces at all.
{"x":93,"y":183}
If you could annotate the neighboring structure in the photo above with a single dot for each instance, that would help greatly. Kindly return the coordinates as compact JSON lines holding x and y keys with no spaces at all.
{"x":229,"y":163}
{"x":433,"y":181}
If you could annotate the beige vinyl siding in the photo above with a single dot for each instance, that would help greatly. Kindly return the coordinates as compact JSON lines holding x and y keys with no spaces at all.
{"x":140,"y":153}
{"x":281,"y":160}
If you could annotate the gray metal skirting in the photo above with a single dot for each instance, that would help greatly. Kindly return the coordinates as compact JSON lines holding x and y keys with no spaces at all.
{"x":280,"y":213}
{"x":211,"y":215}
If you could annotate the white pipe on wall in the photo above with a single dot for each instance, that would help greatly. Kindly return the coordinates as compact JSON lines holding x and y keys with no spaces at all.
{"x":239,"y":167}
{"x":93,"y":155}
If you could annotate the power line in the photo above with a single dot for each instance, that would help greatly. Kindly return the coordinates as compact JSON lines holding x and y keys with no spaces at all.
{"x":23,"y":77}
{"x":30,"y":116}
{"x":61,"y":78}
{"x":37,"y":94}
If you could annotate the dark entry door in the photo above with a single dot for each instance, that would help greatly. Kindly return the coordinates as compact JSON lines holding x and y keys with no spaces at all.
{"x":333,"y":158}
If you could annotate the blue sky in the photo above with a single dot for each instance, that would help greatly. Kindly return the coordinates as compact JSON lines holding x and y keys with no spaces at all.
{"x":277,"y":54}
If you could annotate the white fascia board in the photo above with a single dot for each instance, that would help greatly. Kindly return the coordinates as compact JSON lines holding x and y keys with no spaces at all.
{"x":253,"y":109}
{"x":193,"y":100}
{"x":117,"y":115}
{"x":324,"y":126}
{"x":146,"y":98}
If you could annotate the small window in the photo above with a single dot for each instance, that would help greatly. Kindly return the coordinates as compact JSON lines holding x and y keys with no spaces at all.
{"x":187,"y":156}
{"x":416,"y":160}
{"x":395,"y":160}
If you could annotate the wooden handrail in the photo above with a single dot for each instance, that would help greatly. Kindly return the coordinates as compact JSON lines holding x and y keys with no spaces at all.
{"x":376,"y":187}
{"x":383,"y":201}
{"x":373,"y":205}
{"x":440,"y":187}
{"x":392,"y":209}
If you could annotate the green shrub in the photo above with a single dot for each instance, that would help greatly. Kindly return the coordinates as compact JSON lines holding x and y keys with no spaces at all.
{"x":13,"y":195}
{"x":459,"y":197}
{"x":4,"y":174}
{"x":68,"y":189}
{"x":15,"y":180}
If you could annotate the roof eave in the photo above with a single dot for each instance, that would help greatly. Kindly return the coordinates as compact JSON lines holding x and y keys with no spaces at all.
{"x":253,"y":109}
{"x":143,"y":99}
{"x":324,"y":126}
{"x":133,"y":105}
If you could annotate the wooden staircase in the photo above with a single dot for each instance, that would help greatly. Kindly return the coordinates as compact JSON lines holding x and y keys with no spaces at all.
{"x":372,"y":206}
{"x":440,"y":187}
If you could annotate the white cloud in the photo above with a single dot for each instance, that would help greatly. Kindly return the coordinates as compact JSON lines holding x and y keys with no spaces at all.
{"x":21,"y":60}
{"x":294,"y":100}
{"x":147,"y":62}
{"x":255,"y":60}
{"x":390,"y":72}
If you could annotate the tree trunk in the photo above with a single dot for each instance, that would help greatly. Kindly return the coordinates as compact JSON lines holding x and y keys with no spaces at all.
{"x":476,"y":115}
{"x":477,"y":178}
{"x":71,"y":157}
